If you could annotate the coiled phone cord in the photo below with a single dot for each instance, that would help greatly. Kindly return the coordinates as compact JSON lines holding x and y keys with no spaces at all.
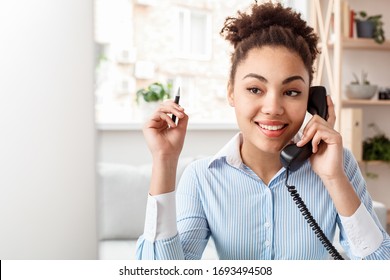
{"x":311,"y":221}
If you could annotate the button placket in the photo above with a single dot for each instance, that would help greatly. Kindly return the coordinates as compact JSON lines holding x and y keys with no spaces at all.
{"x":268,"y":222}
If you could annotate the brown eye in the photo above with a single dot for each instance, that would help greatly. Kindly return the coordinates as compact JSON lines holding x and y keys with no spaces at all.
{"x":292,"y":93}
{"x":254,"y":90}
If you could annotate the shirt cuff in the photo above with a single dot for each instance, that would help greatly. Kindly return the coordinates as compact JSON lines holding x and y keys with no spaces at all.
{"x":364,"y":236}
{"x":160,"y":219}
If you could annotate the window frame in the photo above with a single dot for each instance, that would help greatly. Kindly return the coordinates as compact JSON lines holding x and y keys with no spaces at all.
{"x":184,"y":38}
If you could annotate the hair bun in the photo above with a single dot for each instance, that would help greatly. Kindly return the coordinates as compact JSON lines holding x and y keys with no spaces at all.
{"x":270,"y":24}
{"x":262,"y":17}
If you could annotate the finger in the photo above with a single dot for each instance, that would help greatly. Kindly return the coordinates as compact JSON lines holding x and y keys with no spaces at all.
{"x":169,"y":107}
{"x":170,"y":104}
{"x":304,"y":140}
{"x":331,"y":111}
{"x":168,"y":120}
{"x":177,"y":113}
{"x":183,"y":122}
{"x":155,"y":122}
{"x":328,"y":136}
{"x":315,"y":124}
{"x":307,"y":133}
{"x":315,"y":142}
{"x":160,"y":118}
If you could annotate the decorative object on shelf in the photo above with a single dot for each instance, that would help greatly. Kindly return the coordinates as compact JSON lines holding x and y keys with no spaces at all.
{"x":376,"y":148}
{"x":384,"y":94}
{"x":150,"y":97}
{"x":361,"y":89}
{"x":369,"y":26}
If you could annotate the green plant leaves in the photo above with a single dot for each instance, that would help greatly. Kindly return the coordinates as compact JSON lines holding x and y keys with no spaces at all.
{"x":377,"y":147}
{"x":379,"y":34}
{"x":155,"y":92}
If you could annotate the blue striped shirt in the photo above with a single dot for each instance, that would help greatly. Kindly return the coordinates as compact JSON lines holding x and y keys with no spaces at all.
{"x":220,"y":197}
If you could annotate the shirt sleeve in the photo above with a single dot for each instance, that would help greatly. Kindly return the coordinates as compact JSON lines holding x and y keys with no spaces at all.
{"x":160,"y":240}
{"x":175,"y":233}
{"x":363,"y":234}
{"x":160,"y":219}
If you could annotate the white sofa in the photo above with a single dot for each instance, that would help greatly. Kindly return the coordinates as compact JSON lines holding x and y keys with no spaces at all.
{"x":122,"y":195}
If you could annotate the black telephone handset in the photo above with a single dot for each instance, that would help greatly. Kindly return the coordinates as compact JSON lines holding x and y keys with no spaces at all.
{"x":292,"y":157}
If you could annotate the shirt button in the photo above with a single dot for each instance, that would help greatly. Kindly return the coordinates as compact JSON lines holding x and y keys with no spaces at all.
{"x":267,"y":243}
{"x":267,"y":224}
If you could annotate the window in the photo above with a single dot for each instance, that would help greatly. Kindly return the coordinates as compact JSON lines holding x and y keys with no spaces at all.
{"x":141,"y":42}
{"x":194,"y":34}
{"x":300,"y":6}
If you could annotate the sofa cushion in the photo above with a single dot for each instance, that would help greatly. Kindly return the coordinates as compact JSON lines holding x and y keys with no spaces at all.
{"x":123,"y":191}
{"x":381,"y":212}
{"x":126,"y":250}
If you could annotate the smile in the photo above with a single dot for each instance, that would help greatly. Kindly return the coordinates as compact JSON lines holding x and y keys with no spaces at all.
{"x":271,"y":127}
{"x":272,"y":130}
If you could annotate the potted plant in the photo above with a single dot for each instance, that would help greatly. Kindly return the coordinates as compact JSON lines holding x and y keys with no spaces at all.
{"x":150,"y":97}
{"x":361,"y":88}
{"x":376,"y":148}
{"x":154,"y":92}
{"x":370,"y":26}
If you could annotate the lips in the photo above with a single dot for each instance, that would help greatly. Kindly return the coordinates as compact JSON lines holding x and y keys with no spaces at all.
{"x":272,"y":129}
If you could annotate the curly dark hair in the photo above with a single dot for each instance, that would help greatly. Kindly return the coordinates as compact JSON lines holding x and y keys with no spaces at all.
{"x":270,"y":24}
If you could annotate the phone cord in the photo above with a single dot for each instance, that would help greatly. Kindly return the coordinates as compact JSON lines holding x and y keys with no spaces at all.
{"x":311,"y":221}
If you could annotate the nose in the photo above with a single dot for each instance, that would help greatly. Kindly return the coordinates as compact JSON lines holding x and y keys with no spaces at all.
{"x":272,"y":104}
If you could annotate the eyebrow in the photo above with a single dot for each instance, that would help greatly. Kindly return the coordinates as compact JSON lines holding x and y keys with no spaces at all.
{"x":262,"y":79}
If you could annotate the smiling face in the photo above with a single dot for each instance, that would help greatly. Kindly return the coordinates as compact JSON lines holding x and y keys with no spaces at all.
{"x":269,"y":94}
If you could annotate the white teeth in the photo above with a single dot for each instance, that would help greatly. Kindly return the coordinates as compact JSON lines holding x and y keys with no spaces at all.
{"x":271,"y":127}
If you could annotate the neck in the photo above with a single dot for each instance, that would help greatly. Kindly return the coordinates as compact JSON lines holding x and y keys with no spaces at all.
{"x":265,"y":165}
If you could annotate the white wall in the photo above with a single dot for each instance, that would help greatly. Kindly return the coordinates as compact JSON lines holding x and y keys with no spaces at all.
{"x":47,"y":146}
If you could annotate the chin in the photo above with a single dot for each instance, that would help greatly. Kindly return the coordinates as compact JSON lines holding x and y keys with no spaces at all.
{"x":271,"y":148}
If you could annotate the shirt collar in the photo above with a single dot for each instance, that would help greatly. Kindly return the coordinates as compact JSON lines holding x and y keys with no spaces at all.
{"x":231,"y":151}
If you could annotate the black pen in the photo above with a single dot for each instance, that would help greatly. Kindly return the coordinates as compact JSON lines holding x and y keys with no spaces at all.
{"x":177,"y":98}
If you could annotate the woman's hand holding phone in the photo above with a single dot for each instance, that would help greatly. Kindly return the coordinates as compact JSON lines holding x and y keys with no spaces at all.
{"x":327,"y":161}
{"x":327,"y":144}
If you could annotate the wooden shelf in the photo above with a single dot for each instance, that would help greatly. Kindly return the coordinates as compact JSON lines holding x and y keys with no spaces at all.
{"x":365,"y":102}
{"x":364,"y":44}
{"x":361,"y":44}
{"x":372,"y":162}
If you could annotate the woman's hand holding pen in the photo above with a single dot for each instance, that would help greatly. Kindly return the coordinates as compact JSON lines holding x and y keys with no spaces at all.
{"x":164,"y":137}
{"x":165,"y":140}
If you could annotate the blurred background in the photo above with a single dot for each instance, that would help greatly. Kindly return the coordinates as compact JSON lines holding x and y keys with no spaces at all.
{"x":70,"y":71}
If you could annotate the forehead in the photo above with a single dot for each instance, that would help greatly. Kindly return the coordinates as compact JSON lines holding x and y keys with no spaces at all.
{"x":272,"y":61}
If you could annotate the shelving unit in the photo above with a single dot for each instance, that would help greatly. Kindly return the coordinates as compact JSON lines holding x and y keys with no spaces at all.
{"x":327,"y":13}
{"x":330,"y":62}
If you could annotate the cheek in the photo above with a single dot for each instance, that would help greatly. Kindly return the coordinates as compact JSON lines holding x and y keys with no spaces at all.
{"x":298,"y":116}
{"x":245,"y":107}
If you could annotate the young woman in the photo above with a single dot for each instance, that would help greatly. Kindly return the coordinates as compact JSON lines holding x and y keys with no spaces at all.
{"x":239,"y":196}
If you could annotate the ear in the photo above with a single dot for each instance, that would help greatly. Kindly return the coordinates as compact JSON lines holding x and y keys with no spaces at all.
{"x":230,"y":94}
